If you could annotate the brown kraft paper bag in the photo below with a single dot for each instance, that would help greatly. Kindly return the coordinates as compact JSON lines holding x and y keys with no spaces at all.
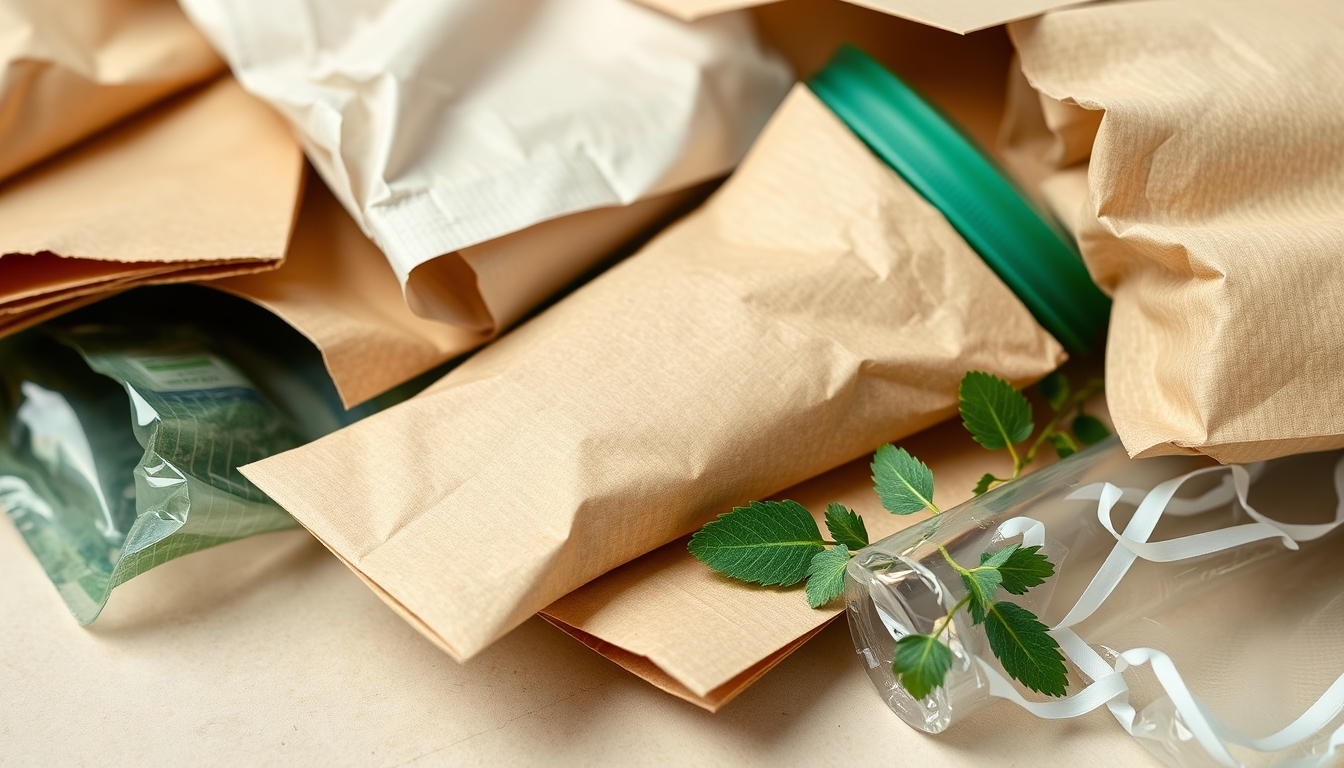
{"x":203,"y":185}
{"x":1212,"y":210}
{"x":813,"y":309}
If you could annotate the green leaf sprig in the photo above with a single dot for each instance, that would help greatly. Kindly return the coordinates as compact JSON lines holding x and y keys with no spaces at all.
{"x":778,"y":543}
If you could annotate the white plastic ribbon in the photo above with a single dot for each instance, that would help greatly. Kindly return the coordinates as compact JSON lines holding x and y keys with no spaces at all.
{"x":1107,"y":684}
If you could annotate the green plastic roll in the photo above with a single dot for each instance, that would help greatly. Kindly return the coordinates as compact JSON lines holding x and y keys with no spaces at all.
{"x":1034,"y":258}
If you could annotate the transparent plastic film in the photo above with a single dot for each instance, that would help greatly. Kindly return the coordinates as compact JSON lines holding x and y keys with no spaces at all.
{"x":1201,"y":604}
{"x":124,"y":454}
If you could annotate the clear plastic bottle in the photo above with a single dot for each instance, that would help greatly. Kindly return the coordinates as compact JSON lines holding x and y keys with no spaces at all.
{"x":903,"y":585}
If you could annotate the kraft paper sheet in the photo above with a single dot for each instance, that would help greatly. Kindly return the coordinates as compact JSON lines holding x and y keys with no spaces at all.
{"x":1214,"y":213}
{"x":203,"y":185}
{"x":813,"y":309}
{"x":961,"y":17}
{"x":441,"y":126}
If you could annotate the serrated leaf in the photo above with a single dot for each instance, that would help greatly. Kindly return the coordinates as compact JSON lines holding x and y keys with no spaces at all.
{"x":921,"y":662}
{"x":981,"y":584}
{"x":1055,"y":389}
{"x":998,"y":558}
{"x":845,"y":526}
{"x":985,"y":481}
{"x":1024,"y":568}
{"x":768,"y":542}
{"x":826,"y":575}
{"x":996,"y":415}
{"x":1028,"y":653}
{"x":1089,"y":430}
{"x":1064,"y":445}
{"x":904,"y":483}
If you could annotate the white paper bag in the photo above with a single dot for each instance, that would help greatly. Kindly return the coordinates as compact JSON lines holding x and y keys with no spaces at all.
{"x":446,"y":123}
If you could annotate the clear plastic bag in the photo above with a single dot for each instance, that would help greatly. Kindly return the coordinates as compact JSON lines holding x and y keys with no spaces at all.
{"x":1200,"y":603}
{"x":123,"y":438}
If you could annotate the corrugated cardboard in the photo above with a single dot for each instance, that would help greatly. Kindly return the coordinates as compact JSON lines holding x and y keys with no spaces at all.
{"x":813,"y":309}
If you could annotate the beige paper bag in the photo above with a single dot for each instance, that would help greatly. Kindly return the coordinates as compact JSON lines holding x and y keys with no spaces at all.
{"x":1214,"y":214}
{"x":71,"y":68}
{"x":813,"y":309}
{"x":203,"y":185}
{"x":336,"y":288}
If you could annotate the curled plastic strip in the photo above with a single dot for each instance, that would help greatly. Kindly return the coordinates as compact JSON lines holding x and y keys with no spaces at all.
{"x":1108,"y":686}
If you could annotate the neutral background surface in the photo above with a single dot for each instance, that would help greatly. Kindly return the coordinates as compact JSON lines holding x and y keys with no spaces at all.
{"x":270,"y":651}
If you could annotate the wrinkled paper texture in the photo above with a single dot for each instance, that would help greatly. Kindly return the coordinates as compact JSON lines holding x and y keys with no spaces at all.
{"x":441,"y":126}
{"x":336,"y":288}
{"x":75,"y":67}
{"x":203,"y":185}
{"x":676,"y":623}
{"x":813,"y":309}
{"x":1214,"y":213}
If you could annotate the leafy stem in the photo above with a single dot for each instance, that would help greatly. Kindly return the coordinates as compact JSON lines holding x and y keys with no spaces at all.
{"x":780,"y":543}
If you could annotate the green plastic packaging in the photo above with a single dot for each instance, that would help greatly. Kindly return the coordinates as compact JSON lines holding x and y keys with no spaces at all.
{"x":123,"y":437}
{"x":1029,"y":253}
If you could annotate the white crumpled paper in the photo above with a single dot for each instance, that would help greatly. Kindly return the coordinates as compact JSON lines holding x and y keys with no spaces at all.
{"x":441,"y":124}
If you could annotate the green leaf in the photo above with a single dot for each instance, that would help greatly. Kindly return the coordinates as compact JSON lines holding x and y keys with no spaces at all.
{"x":996,"y":559}
{"x":1024,"y":568}
{"x":1089,"y":430}
{"x":903,"y":482}
{"x":1064,"y":445}
{"x":845,"y":526}
{"x":986,"y":480}
{"x":922,"y":663}
{"x":981,"y":584}
{"x":768,"y":542}
{"x":826,"y":575}
{"x":1028,"y":653}
{"x":1055,"y":389}
{"x":996,"y":415}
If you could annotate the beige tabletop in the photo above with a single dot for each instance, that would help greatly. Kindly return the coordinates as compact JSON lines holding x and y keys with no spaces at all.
{"x":270,"y":651}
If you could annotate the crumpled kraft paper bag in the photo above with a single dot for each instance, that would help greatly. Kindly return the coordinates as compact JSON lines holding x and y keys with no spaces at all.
{"x":203,"y":185}
{"x":336,"y":288}
{"x":813,"y":309}
{"x":441,"y":126}
{"x":69,"y":69}
{"x":961,"y":17}
{"x":1214,"y":214}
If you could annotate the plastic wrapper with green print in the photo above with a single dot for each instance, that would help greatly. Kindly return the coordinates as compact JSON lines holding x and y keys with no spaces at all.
{"x":122,"y":446}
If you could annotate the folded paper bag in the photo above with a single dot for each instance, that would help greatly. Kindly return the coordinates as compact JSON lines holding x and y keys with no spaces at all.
{"x":1214,"y":214}
{"x":442,"y":126}
{"x":813,"y":309}
{"x":203,"y":185}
